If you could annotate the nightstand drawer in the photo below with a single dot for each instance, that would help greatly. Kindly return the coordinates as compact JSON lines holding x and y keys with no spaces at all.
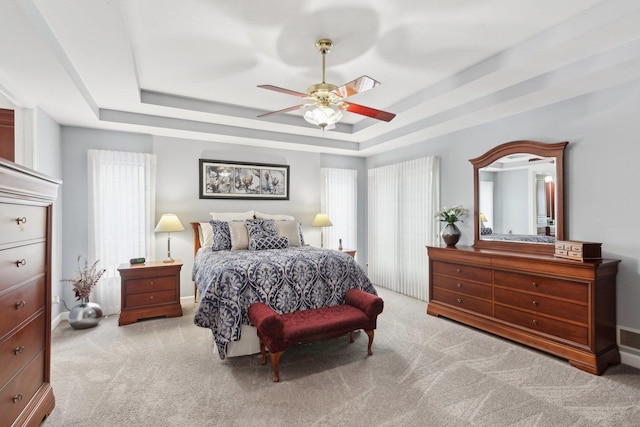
{"x":150,"y":298}
{"x":463,"y":271}
{"x":19,"y":304}
{"x":151,"y":284}
{"x":22,"y":222}
{"x":21,"y":347}
{"x":540,"y":304}
{"x":21,"y":264}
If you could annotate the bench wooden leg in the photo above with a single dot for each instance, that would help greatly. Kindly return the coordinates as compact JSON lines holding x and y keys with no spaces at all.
{"x":275,"y":359}
{"x":264,"y":354}
{"x":370,"y":333}
{"x":351,"y":337}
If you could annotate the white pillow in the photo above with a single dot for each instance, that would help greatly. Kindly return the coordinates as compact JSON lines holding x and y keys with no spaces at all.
{"x":276,"y":217}
{"x":289,"y":229}
{"x":206,"y":235}
{"x":231,"y":216}
{"x":239,"y":235}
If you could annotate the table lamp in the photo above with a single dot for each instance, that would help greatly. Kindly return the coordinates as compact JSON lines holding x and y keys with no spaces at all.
{"x":321,"y":220}
{"x":167,"y":224}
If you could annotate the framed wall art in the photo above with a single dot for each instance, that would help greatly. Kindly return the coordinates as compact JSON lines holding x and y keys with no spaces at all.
{"x":235,"y":180}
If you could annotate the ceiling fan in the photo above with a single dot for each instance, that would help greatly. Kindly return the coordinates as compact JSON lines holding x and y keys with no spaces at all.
{"x":326,"y":101}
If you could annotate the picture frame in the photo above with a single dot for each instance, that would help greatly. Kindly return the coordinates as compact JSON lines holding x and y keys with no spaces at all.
{"x":241,"y":180}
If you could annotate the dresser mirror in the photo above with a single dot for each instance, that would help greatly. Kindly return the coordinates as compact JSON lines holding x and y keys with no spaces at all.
{"x":519,"y":196}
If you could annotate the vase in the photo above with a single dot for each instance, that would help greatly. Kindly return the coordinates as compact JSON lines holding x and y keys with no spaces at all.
{"x":450,"y":234}
{"x":85,"y":315}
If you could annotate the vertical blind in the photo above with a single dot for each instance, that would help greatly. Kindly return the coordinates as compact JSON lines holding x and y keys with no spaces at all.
{"x":339,"y":200}
{"x":121,"y":216}
{"x":403,"y":201}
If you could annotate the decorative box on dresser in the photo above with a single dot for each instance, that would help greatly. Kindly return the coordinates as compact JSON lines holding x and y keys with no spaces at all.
{"x":149,"y":290}
{"x":26,"y":203}
{"x":563,"y":307}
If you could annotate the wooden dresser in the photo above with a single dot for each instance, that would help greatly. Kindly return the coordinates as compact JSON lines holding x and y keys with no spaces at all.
{"x":26,"y":199}
{"x":149,"y":290}
{"x":563,"y":307}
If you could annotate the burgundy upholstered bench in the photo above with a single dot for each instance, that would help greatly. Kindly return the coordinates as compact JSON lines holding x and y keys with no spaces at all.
{"x":279,"y":331}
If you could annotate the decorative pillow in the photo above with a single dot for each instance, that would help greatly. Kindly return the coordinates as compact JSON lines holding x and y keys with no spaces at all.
{"x":260,"y":227}
{"x":206,"y":235}
{"x":289,"y":229}
{"x":221,"y":239}
{"x":269,"y":216}
{"x":486,"y":231}
{"x":239,"y":235}
{"x":231,"y":216}
{"x":271,"y":242}
{"x":302,"y":243}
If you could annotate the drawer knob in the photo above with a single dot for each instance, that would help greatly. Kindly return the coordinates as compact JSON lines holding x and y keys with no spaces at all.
{"x":535,"y":284}
{"x":17,"y":398}
{"x":458,"y":270}
{"x":535,"y":303}
{"x":459,"y":300}
{"x":20,"y":304}
{"x":535,"y":322}
{"x":19,"y":350}
{"x":151,"y":282}
{"x":21,"y":262}
{"x":151,"y":297}
{"x":22,"y":220}
{"x":459,"y":285}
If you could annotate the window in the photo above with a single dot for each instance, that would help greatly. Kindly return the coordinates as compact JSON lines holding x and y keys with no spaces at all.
{"x":339,"y":200}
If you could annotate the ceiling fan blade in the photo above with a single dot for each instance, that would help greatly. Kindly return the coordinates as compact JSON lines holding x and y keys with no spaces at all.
{"x":358,"y":85}
{"x":282,"y":90}
{"x":367,"y":111}
{"x":286,"y":110}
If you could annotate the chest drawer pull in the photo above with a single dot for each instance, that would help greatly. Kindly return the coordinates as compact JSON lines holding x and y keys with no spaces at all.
{"x":21,"y":262}
{"x":18,"y":350}
{"x":535,"y":303}
{"x":20,"y":304}
{"x":535,"y":284}
{"x":535,"y":322}
{"x":459,"y":285}
{"x":22,"y":220}
{"x":151,"y":283}
{"x":151,"y":297}
{"x":458,"y":270}
{"x":459,"y":300}
{"x":17,"y":398}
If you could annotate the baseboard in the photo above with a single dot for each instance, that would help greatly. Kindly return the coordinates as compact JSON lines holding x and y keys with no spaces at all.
{"x":59,"y":318}
{"x":187,"y":301}
{"x":630,"y":359}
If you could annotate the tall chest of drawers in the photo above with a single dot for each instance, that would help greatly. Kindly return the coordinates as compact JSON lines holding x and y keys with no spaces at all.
{"x":26,"y":199}
{"x":564,"y":307}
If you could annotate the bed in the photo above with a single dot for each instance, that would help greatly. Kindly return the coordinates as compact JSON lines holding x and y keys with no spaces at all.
{"x":287,"y":277}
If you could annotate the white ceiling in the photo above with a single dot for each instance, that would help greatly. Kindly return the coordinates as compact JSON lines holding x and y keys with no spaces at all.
{"x":190,"y":68}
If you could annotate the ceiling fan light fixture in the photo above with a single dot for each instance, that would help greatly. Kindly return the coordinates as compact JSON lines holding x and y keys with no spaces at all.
{"x":323,"y":116}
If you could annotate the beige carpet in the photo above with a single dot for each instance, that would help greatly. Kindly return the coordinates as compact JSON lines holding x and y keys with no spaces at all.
{"x":425,"y":371}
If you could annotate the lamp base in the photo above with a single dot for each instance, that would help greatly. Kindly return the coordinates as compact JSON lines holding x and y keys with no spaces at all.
{"x":168,"y":260}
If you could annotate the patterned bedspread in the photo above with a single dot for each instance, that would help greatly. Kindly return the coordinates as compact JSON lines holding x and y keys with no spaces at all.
{"x":540,"y":238}
{"x":291,"y":279}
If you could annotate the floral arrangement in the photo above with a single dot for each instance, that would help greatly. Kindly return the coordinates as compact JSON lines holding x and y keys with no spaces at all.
{"x":452,"y":215}
{"x":86,"y":278}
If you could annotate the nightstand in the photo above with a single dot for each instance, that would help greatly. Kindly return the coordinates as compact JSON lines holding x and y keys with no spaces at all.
{"x":149,"y":290}
{"x":351,"y":252}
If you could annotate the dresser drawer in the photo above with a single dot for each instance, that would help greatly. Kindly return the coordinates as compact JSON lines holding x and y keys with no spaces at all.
{"x":576,"y":291}
{"x":21,"y":263}
{"x":478,"y":274}
{"x":16,"y":351}
{"x":458,"y":285}
{"x":19,"y":304}
{"x":567,"y":331}
{"x":462,"y":301}
{"x":151,"y":284}
{"x":32,"y":225}
{"x":150,"y":298}
{"x":15,"y":396}
{"x":540,"y":304}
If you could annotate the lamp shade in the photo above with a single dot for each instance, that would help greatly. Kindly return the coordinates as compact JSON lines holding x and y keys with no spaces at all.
{"x":322,"y":116}
{"x":483,"y":217}
{"x":321,"y":220}
{"x":169,"y":223}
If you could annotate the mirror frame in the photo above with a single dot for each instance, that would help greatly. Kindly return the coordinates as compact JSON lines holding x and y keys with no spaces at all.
{"x":532,"y":147}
